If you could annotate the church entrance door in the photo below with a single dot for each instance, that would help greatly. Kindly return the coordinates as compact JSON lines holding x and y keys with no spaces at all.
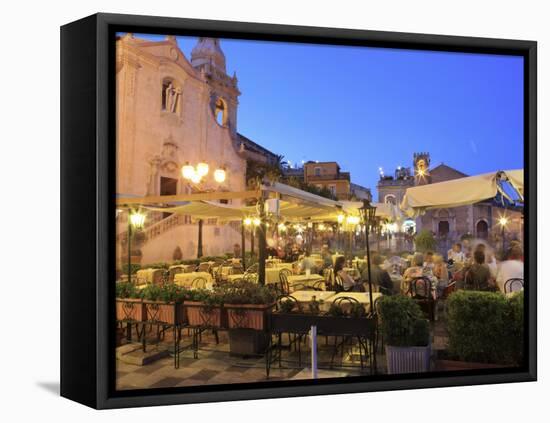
{"x":168,"y":186}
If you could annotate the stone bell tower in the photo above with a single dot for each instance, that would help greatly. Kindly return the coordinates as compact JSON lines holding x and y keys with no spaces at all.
{"x":207,"y":56}
{"x":421,"y":166}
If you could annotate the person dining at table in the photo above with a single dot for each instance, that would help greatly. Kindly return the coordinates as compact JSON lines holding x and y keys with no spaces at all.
{"x":307,"y":263}
{"x":418,"y":270}
{"x":379,"y":276}
{"x":326,"y":256}
{"x":441,"y":272}
{"x":455,"y":254}
{"x":348,"y":283}
{"x":478,"y":275}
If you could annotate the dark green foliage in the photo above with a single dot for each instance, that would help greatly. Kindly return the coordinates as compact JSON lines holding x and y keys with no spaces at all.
{"x":126,"y":290}
{"x":336,"y":310}
{"x":245,"y":293}
{"x":402,"y":322}
{"x":486,"y":327}
{"x":287,"y":306}
{"x":425,"y":241}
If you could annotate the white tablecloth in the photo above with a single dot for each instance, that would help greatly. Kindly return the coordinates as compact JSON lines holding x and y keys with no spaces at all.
{"x":149,"y":276}
{"x":307,"y":296}
{"x":186,"y":279}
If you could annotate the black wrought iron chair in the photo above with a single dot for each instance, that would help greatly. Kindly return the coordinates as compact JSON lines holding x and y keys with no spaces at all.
{"x":420,"y":289}
{"x":199,"y":283}
{"x":511,"y":283}
{"x":283,"y":281}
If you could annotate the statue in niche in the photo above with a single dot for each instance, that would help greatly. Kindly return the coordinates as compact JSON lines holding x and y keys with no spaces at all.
{"x":171,"y":95}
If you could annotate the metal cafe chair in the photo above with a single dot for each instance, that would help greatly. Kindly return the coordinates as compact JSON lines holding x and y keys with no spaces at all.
{"x":253,"y":268}
{"x":420,"y":289}
{"x":511,"y":283}
{"x":283,"y":281}
{"x":198,"y":283}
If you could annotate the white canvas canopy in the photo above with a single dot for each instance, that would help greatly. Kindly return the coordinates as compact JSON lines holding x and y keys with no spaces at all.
{"x":459,"y":192}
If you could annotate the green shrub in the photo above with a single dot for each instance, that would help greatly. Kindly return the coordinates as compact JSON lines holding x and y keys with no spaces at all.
{"x":402,"y":322}
{"x":486,"y":327}
{"x":126,"y":290}
{"x":425,"y":241}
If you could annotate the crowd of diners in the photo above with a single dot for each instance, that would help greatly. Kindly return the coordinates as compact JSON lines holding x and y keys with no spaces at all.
{"x":468,"y":265}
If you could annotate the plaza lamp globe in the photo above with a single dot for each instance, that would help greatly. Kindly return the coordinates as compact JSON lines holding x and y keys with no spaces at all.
{"x":202,"y":169}
{"x":187,"y":171}
{"x":219,"y":175}
{"x":137,"y":219}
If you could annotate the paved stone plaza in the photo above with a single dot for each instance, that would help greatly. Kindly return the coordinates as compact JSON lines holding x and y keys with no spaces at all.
{"x":215,"y":365}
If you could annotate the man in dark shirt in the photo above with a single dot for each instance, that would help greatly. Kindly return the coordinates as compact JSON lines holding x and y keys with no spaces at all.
{"x":380,"y":277}
{"x":478,"y":276}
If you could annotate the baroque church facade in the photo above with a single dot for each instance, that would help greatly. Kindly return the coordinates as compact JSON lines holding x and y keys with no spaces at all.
{"x":479,"y":220}
{"x":172,"y":111}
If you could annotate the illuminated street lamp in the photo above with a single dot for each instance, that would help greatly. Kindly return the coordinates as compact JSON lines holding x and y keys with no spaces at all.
{"x":368,"y":213}
{"x":202,"y":169}
{"x":219,"y":175}
{"x":136,"y":220}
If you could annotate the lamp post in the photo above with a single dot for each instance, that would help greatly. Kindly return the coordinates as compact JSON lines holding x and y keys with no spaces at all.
{"x":368,"y":213}
{"x":136,"y":220}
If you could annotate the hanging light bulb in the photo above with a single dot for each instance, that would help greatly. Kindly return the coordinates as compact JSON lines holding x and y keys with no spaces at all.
{"x":219,"y":175}
{"x":196,"y":178}
{"x":256,"y":221}
{"x":202,"y":169}
{"x":187,"y":171}
{"x":137,"y":219}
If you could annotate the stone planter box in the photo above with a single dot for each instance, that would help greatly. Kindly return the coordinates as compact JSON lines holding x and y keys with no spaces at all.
{"x":248,"y":316}
{"x":130,"y":309}
{"x":408,"y":359}
{"x":200,"y":315}
{"x":247,"y":342}
{"x":167,"y":313}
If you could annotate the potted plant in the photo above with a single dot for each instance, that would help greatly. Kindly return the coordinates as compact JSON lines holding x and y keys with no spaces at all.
{"x":493,"y":341}
{"x":203,"y":308}
{"x":247,"y":305}
{"x":425,"y":241}
{"x":129,"y":306}
{"x":163,"y":304}
{"x":406,"y":333}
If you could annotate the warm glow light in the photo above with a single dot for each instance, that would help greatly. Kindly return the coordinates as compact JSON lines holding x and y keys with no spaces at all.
{"x":421,"y":172}
{"x":187,"y":171}
{"x":202,"y":169}
{"x":137,"y":219}
{"x":282,"y":227}
{"x":503,"y":221}
{"x":196,"y":178}
{"x":247,"y":221}
{"x":256,"y":221}
{"x":340,"y":218}
{"x":219,"y":175}
{"x":352,"y":220}
{"x":321,"y":227}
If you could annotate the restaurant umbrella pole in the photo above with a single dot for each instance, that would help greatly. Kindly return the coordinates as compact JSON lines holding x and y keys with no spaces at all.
{"x":199,"y":243}
{"x":262,"y":251}
{"x":243,"y":245}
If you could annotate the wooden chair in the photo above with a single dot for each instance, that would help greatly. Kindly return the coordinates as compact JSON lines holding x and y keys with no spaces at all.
{"x":510,"y":283}
{"x":198,"y":283}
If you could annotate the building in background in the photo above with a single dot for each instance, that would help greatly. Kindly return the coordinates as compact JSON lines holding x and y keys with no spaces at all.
{"x":449,"y":225}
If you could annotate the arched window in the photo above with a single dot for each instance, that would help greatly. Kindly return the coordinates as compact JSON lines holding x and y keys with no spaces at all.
{"x":482,"y":229}
{"x":390,"y":199}
{"x":221,"y":112}
{"x":170,"y":96}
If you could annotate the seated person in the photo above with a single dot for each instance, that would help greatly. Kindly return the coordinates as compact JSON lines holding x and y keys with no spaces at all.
{"x":307,"y":263}
{"x":429,"y":261}
{"x":478,"y":276}
{"x":380,"y":277}
{"x":511,"y":268}
{"x":455,"y":254}
{"x":326,"y":256}
{"x":349,"y":284}
{"x":417,"y":271}
{"x":441,"y":272}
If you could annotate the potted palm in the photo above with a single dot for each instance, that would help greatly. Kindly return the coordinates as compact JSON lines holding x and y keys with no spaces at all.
{"x":406,"y":333}
{"x":129,"y":306}
{"x":163,"y":304}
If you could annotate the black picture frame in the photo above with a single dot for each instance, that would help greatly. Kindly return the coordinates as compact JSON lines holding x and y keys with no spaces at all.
{"x":88,"y":204}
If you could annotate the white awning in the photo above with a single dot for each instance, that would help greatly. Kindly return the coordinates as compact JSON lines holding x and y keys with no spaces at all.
{"x":458,"y":192}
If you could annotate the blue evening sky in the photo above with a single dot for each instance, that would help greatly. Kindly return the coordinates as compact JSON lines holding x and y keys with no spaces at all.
{"x":371,"y":107}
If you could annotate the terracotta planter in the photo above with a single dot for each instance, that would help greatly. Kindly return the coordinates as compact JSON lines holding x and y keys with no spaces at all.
{"x":205,"y":316}
{"x":455,"y":365}
{"x":160,"y":312}
{"x":408,"y":359}
{"x":248,"y":316}
{"x":130,"y":309}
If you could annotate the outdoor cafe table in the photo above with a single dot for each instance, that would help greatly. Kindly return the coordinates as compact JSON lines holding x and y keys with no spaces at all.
{"x":307,"y":296}
{"x":307,"y":280}
{"x":280,"y":266}
{"x":271,"y":276}
{"x":186,"y":279}
{"x":149,"y":276}
{"x":362,"y":297}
